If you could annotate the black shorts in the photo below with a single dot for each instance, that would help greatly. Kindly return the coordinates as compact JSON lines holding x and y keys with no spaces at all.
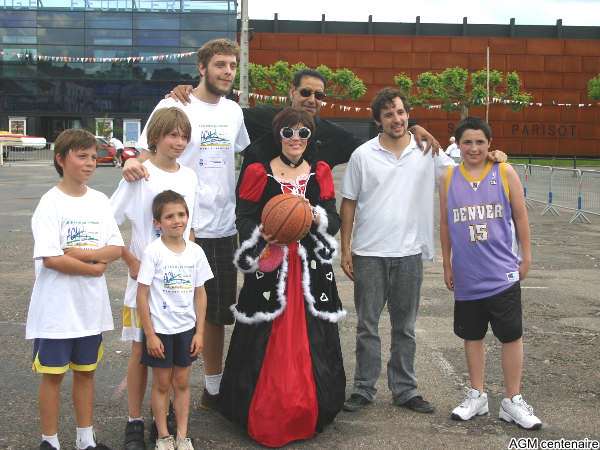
{"x":502,"y":311}
{"x":221,"y":291}
{"x":177,"y":350}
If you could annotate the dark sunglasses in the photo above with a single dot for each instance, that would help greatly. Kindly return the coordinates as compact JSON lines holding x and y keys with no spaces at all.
{"x":319,"y":95}
{"x":289,"y":133}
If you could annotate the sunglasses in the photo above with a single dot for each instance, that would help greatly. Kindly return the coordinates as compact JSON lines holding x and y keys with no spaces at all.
{"x":289,"y":133}
{"x":319,"y":95}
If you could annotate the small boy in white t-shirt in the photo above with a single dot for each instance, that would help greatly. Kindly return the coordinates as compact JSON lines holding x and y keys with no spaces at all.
{"x":76,"y":237}
{"x":171,"y":302}
{"x":169,"y":132}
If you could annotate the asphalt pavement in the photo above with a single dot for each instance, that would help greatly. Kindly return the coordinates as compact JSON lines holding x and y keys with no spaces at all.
{"x":561,"y":380}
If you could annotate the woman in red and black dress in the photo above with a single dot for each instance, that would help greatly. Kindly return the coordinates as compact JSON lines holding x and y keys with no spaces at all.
{"x":284,"y":377}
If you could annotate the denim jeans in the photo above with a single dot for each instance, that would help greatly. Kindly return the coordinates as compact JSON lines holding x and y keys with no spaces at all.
{"x":397,"y":282}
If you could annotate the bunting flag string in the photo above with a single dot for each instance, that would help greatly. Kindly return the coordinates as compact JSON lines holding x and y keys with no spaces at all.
{"x":91,"y":59}
{"x":279,"y":99}
{"x":264,"y":97}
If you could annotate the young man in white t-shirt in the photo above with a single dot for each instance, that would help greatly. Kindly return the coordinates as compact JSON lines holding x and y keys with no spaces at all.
{"x":218,"y":132}
{"x":171,"y":301}
{"x":76,"y":237}
{"x":169,"y":132}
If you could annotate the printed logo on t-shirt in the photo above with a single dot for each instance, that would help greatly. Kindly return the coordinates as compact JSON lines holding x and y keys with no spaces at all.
{"x":82,"y":233}
{"x":213,"y":143}
{"x":512,"y":276}
{"x":177,"y":285}
{"x":210,"y":137}
{"x":177,"y":281}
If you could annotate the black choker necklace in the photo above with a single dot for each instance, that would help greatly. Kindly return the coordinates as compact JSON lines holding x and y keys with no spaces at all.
{"x":289,"y":162}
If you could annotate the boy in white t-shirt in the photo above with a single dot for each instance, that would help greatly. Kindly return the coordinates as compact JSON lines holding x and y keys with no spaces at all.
{"x":169,"y":132}
{"x":171,"y":302}
{"x":76,"y":237}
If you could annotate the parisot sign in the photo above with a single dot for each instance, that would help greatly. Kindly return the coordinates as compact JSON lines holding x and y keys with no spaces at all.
{"x":543,"y":130}
{"x":547,"y":130}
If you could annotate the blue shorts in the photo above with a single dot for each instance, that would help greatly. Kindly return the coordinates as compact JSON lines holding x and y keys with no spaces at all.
{"x":56,"y":356}
{"x":177,"y":350}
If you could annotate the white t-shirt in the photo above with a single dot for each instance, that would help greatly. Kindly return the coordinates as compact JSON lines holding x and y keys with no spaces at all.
{"x":172,"y":278}
{"x":394,"y":211}
{"x":133,"y":201}
{"x":453,"y":151}
{"x":68,"y":306}
{"x":116,"y":143}
{"x":218,"y":131}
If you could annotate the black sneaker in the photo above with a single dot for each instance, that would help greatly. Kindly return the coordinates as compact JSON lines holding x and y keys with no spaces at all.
{"x":171,"y":425}
{"x":134,"y":436}
{"x":356,"y":402}
{"x":98,"y":447}
{"x":45,"y":445}
{"x":417,"y":404}
{"x":209,"y":401}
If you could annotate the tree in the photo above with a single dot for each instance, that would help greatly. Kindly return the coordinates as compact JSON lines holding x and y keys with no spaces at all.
{"x":594,"y":88}
{"x":457,"y":90}
{"x":276,"y":80}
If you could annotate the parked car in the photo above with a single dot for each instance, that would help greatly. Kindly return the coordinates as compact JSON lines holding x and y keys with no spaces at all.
{"x":107,"y":154}
{"x":131,"y":150}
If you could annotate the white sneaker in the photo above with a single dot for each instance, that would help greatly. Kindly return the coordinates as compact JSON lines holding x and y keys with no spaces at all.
{"x":518,"y":411}
{"x":166,"y":443}
{"x":184,"y":444}
{"x":474,"y":404}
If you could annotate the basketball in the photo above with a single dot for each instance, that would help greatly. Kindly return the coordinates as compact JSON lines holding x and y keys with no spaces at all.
{"x":286,"y":218}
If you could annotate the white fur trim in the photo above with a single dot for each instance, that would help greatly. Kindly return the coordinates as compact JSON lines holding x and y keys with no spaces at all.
{"x":247,"y":244}
{"x":310,"y":300}
{"x":322,"y":230}
{"x":262,"y":316}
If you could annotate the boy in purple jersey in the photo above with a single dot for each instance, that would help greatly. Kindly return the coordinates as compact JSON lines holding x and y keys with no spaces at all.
{"x":481,"y":208}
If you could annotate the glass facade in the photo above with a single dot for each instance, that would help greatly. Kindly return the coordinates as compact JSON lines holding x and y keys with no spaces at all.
{"x":54,"y":94}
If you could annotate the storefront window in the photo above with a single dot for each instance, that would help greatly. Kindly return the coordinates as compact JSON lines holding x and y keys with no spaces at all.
{"x":131,"y":130}
{"x":17,"y":125}
{"x":104,"y":127}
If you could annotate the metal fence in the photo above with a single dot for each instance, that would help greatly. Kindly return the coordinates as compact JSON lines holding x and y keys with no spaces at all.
{"x":18,"y":153}
{"x":558,"y":188}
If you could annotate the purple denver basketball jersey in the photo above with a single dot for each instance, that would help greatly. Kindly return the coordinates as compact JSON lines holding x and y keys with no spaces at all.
{"x":481,"y":234}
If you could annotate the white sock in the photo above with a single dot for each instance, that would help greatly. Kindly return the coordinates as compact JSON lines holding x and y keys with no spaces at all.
{"x":85,"y":437}
{"x":212,"y":383}
{"x":135,"y":419}
{"x":52,"y":440}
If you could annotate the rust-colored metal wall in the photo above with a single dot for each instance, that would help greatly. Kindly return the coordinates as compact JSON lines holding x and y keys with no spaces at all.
{"x":551,"y":69}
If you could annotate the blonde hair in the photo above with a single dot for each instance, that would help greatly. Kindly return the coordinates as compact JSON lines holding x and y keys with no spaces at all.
{"x":217,"y":47}
{"x":163,"y":122}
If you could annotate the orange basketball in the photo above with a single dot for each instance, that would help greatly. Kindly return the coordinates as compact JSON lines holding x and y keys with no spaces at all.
{"x":286,"y":218}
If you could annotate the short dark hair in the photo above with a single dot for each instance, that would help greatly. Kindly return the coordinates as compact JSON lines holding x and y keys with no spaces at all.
{"x":473,"y":123}
{"x":69,"y":140}
{"x":307,"y":73}
{"x":214,"y":47}
{"x":385,"y":98}
{"x":165,"y":197}
{"x":288,"y":117}
{"x":163,"y":122}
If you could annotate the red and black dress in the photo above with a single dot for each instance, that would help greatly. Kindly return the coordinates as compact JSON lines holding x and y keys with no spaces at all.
{"x":284,"y":376}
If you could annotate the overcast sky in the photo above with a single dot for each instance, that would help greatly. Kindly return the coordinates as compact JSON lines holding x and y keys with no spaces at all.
{"x":525,"y":12}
